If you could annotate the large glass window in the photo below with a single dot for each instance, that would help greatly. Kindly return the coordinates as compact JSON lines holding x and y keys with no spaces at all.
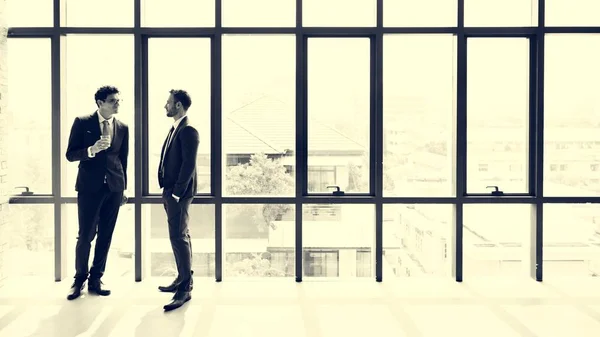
{"x":259,"y":13}
{"x":22,"y":15}
{"x":571,"y":241}
{"x":498,"y":114}
{"x":178,"y":13}
{"x":496,"y":240}
{"x":497,"y":13}
{"x":418,"y":106}
{"x":259,"y":240}
{"x":105,"y":13}
{"x":30,"y":118}
{"x":259,"y":115}
{"x":110,"y":64}
{"x":417,"y":240}
{"x":338,"y":240}
{"x":339,"y":13}
{"x":572,"y":13}
{"x":572,"y":115}
{"x":409,"y":13}
{"x":339,"y":113}
{"x":202,"y":232}
{"x":179,"y":63}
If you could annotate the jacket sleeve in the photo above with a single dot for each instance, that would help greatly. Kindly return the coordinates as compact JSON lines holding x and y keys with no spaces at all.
{"x":75,"y":149}
{"x":189,"y":139}
{"x":124,"y":153}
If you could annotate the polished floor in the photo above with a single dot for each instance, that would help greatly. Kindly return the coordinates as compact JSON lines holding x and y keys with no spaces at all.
{"x":264,"y":308}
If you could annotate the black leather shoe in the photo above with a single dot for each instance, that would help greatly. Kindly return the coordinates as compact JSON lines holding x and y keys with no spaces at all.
{"x":171,"y":288}
{"x":178,"y":300}
{"x":95,"y":286}
{"x":76,"y":289}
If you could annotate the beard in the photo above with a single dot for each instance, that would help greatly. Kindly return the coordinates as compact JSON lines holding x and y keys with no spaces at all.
{"x":171,"y":112}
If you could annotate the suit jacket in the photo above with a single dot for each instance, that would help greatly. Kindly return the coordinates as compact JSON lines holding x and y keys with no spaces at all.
{"x":180,"y":161}
{"x":110,"y":163}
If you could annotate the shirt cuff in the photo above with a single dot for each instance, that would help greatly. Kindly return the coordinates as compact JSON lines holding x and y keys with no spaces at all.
{"x":175,"y":197}
{"x":90,"y":154}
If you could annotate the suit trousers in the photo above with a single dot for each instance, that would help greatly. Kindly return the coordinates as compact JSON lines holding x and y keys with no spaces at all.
{"x":179,"y":235}
{"x":98,"y":212}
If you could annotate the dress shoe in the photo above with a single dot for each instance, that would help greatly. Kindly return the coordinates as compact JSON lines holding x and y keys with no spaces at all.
{"x":178,"y":300}
{"x":171,"y":288}
{"x":95,"y":286}
{"x":76,"y":289}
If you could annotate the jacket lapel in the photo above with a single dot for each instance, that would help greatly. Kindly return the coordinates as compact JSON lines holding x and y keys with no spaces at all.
{"x":95,"y":125}
{"x":181,"y":125}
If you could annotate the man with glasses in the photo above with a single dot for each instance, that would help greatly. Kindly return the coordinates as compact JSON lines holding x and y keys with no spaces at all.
{"x":100,"y":143}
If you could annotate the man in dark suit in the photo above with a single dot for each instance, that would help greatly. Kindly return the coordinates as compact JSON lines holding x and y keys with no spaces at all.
{"x":100,"y":143}
{"x":177,"y":176}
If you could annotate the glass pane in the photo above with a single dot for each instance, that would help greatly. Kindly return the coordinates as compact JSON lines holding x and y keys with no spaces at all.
{"x":338,"y":240}
{"x":178,"y":13}
{"x":188,"y":69}
{"x":260,"y":240}
{"x":22,"y":15}
{"x":105,"y":13}
{"x":496,"y":240}
{"x":572,"y":115}
{"x":120,"y":264}
{"x":259,"y":13}
{"x":29,"y":249}
{"x":498,"y":115}
{"x":338,"y":114}
{"x":86,"y":72}
{"x":202,"y":232}
{"x":572,"y":13}
{"x":417,"y":240}
{"x":571,"y":240}
{"x":259,"y":114}
{"x":410,"y":13}
{"x":496,"y":13}
{"x":30,"y":163}
{"x":339,"y":13}
{"x":418,"y":107}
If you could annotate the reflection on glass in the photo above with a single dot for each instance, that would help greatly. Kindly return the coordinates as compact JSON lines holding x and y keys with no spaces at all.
{"x":121,"y":259}
{"x":339,"y":13}
{"x":178,"y":13}
{"x":418,"y":105}
{"x":410,"y":13}
{"x":500,"y":13}
{"x":259,"y":240}
{"x":86,"y":72}
{"x":259,"y":13}
{"x":338,"y":114}
{"x":572,"y":115}
{"x":29,"y":237}
{"x":572,"y":13}
{"x":202,"y":231}
{"x":259,"y":137}
{"x":571,"y":240}
{"x":30,"y":106}
{"x":496,"y":240}
{"x":338,"y":240}
{"x":417,"y":240}
{"x":105,"y":13}
{"x":498,"y":114}
{"x":187,"y":69}
{"x":21,"y":14}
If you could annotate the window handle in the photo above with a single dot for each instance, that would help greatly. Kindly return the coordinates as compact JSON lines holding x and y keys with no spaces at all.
{"x":26,"y":192}
{"x":337,"y":190}
{"x":495,"y":191}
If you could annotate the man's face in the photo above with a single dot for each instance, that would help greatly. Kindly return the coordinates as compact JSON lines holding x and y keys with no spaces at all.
{"x":171,"y":107}
{"x":111,"y":104}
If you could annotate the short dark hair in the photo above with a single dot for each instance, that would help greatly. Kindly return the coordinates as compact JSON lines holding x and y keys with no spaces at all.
{"x":103,"y":92}
{"x":181,"y":96}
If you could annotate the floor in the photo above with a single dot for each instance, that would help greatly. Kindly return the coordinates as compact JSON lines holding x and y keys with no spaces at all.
{"x":264,"y":308}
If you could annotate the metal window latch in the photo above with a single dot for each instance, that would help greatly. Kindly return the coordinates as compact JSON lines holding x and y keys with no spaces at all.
{"x":337,"y":190}
{"x":26,"y":192}
{"x":495,"y":191}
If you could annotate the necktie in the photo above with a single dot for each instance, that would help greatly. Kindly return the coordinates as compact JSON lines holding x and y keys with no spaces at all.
{"x":107,"y":130}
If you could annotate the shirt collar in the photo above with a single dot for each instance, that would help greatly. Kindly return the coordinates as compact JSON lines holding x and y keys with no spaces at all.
{"x":102,"y":119}
{"x":178,"y":122}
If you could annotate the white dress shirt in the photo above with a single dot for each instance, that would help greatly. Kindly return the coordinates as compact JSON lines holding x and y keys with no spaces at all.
{"x":110,"y":125}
